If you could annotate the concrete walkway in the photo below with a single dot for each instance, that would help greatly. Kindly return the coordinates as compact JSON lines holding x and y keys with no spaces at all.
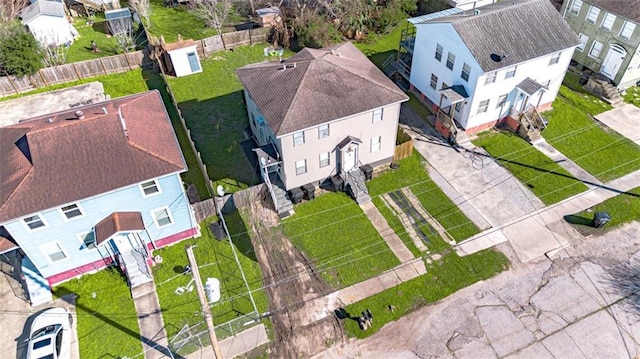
{"x":564,"y":162}
{"x":152,"y":332}
{"x":625,"y":120}
{"x":237,"y":345}
{"x":393,"y":241}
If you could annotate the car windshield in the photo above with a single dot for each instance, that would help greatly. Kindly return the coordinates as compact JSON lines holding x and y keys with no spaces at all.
{"x":49,"y":329}
{"x":41,"y":343}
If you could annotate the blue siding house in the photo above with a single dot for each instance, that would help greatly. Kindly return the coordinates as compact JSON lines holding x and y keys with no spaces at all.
{"x":91,"y":187}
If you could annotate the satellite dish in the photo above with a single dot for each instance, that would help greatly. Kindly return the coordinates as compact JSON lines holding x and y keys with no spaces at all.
{"x":220,"y":190}
{"x":263,"y":161}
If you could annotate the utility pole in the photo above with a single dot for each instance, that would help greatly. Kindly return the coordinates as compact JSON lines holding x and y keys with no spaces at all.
{"x":208,"y":317}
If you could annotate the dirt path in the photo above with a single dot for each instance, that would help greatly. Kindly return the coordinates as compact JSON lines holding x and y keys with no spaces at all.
{"x":290,"y":280}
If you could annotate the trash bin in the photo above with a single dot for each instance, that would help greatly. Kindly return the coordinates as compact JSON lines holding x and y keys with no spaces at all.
{"x":336,"y":183}
{"x":368,"y":172}
{"x":600,"y":219}
{"x":296,"y":195}
{"x":309,"y":191}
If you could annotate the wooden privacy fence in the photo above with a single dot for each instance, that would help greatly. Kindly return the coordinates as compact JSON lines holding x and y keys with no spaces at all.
{"x":230,"y":40}
{"x":403,"y":150}
{"x":11,"y":85}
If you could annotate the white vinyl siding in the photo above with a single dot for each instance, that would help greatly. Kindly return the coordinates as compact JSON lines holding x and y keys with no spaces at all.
{"x":54,"y":251}
{"x":301,"y":167}
{"x":583,"y":41}
{"x":34,"y":222}
{"x":162,"y":217}
{"x":593,"y":14}
{"x":150,"y":188}
{"x":324,"y":159}
{"x":377,"y":115}
{"x":607,"y":21}
{"x":484,"y":105}
{"x":323,"y":131}
{"x":575,"y":7}
{"x":375,"y":144}
{"x":627,"y":30}
{"x":596,"y":48}
{"x":298,"y":138}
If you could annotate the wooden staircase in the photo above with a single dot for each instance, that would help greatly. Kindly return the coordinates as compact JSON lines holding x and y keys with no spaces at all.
{"x":355,"y":186}
{"x":531,"y":124}
{"x":600,"y":86}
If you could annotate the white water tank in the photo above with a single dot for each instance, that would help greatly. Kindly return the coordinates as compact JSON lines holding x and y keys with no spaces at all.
{"x":212,"y":287}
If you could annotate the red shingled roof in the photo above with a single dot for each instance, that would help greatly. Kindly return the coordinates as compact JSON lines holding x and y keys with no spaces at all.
{"x":57,"y":159}
{"x":118,"y":222}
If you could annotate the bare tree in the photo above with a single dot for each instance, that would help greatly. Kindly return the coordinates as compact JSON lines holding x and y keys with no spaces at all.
{"x":213,"y":12}
{"x":10,"y":9}
{"x":142,"y":8}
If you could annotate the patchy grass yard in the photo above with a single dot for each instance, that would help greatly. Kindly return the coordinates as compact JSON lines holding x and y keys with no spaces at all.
{"x":600,"y":151}
{"x":379,"y":47}
{"x":215,"y":259}
{"x":394,"y":222}
{"x":108,"y":323}
{"x":443,"y":278}
{"x":632,"y":96}
{"x":546,"y":179}
{"x":623,"y":208}
{"x":412,"y":173}
{"x":334,"y":232}
{"x":171,"y":21}
{"x":418,"y":106}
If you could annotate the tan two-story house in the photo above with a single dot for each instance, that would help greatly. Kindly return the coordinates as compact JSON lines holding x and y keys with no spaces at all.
{"x":321,"y":114}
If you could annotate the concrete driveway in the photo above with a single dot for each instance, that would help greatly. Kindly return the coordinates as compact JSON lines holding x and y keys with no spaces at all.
{"x":625,"y":120}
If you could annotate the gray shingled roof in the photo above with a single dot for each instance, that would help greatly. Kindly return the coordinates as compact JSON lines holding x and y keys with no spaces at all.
{"x":521,"y":29}
{"x":529,"y":86}
{"x":42,"y":7}
{"x":317,"y":86}
{"x":628,"y":9}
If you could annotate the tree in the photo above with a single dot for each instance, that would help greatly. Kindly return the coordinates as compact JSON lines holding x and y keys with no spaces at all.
{"x":10,"y":9}
{"x":20,"y":53}
{"x":143,"y":9}
{"x":213,"y":12}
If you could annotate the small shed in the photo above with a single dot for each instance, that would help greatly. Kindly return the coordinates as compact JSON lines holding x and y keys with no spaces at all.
{"x":181,"y":58}
{"x":118,"y":21}
{"x":48,"y":23}
{"x":269,"y":16}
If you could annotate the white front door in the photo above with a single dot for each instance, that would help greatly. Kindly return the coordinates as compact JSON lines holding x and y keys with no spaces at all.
{"x":612,"y":62}
{"x":349,"y":155}
{"x":123,"y":242}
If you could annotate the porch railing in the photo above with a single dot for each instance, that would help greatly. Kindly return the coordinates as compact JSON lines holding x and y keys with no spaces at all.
{"x":267,"y":182}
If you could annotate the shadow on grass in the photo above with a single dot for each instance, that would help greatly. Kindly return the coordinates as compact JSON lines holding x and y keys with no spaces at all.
{"x":378,"y":58}
{"x":577,"y":220}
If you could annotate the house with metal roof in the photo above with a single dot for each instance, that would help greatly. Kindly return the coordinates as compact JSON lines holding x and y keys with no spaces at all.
{"x":90,"y":187}
{"x":478,"y":67}
{"x":47,"y":22}
{"x":609,"y":33}
{"x":322,"y":114}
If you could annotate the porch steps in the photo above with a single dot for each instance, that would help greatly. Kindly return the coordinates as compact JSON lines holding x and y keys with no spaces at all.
{"x":599,"y":85}
{"x":355,"y":178}
{"x":137,"y":270}
{"x":284,"y":205}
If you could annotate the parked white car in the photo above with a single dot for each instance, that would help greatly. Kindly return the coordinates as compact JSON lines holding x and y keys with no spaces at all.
{"x":50,"y":335}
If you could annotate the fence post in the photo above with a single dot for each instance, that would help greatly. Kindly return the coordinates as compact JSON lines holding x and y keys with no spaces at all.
{"x":13,"y":85}
{"x":103,"y":67}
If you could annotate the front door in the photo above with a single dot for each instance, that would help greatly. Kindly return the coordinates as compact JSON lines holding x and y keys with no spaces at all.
{"x":612,"y":62}
{"x":122,"y":242}
{"x":349,"y":157}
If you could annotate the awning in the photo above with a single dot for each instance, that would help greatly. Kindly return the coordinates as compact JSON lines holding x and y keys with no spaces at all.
{"x":118,"y":222}
{"x":455,"y":93}
{"x":7,"y":245}
{"x":349,"y":139}
{"x":530,"y":86}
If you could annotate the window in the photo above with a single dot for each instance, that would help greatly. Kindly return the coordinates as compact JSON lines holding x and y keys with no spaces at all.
{"x":608,"y":21}
{"x":458,"y":106}
{"x":324,"y":159}
{"x":555,"y":59}
{"x":377,"y":115}
{"x":491,"y":78}
{"x":627,"y":30}
{"x":466,"y":69}
{"x":375,"y":144}
{"x":71,"y":211}
{"x":162,"y":217}
{"x":54,"y":252}
{"x":253,"y":119}
{"x":88,"y":240}
{"x":439,"y":52}
{"x":34,"y":222}
{"x":193,"y":61}
{"x":323,"y":131}
{"x":593,"y":14}
{"x":434,"y":81}
{"x":502,"y":100}
{"x":575,"y":7}
{"x":301,"y":167}
{"x":298,"y":138}
{"x":484,"y":105}
{"x":510,"y":73}
{"x":149,"y":188}
{"x":583,"y":41}
{"x":451,"y":60}
{"x":596,"y":48}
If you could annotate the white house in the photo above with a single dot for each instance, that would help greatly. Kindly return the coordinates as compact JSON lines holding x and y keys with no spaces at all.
{"x":482,"y":66}
{"x":181,"y":58}
{"x":48,"y":23}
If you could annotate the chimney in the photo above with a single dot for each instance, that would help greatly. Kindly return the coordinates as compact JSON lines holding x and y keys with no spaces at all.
{"x":124,"y":125}
{"x":79,"y":115}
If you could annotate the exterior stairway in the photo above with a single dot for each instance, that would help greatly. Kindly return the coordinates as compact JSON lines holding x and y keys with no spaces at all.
{"x":284,"y":205}
{"x":136,"y":267}
{"x":354,"y":180}
{"x":599,"y":85}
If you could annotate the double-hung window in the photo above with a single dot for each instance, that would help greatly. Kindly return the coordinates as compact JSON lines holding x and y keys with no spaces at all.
{"x":607,"y":21}
{"x":434,"y":81}
{"x":88,"y":240}
{"x":34,"y":222}
{"x":301,"y":167}
{"x":54,"y":251}
{"x":484,"y":105}
{"x":451,"y":60}
{"x":323,"y":131}
{"x":438,"y":52}
{"x":375,"y":143}
{"x":510,"y":73}
{"x":502,"y":100}
{"x":466,"y":69}
{"x":71,"y":211}
{"x":324,"y":159}
{"x":575,"y":7}
{"x":298,"y":138}
{"x":593,"y":14}
{"x":377,"y":115}
{"x":162,"y":217}
{"x":555,"y":59}
{"x":149,"y":188}
{"x":627,"y":30}
{"x":583,"y":41}
{"x":491,"y":78}
{"x":596,"y":49}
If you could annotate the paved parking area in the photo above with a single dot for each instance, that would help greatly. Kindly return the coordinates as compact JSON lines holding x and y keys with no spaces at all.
{"x":625,"y":120}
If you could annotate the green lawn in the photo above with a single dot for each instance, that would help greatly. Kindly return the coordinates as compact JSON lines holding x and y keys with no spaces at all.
{"x":335,"y":233}
{"x":80,"y":50}
{"x":623,"y":208}
{"x":171,"y":21}
{"x":379,"y":47}
{"x":443,"y":278}
{"x":215,"y":259}
{"x":412,"y":173}
{"x":546,"y":179}
{"x":394,"y":222}
{"x":600,"y":151}
{"x":108,"y":323}
{"x":633,"y":96}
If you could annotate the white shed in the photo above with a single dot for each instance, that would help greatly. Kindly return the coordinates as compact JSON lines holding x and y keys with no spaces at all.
{"x":48,"y":23}
{"x":181,"y":58}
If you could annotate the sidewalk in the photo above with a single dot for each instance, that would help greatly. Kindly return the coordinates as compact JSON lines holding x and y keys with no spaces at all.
{"x":152,"y":333}
{"x":393,"y":241}
{"x":239,"y":344}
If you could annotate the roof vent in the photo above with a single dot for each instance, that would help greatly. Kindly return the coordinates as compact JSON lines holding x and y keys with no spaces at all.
{"x":499,"y":58}
{"x":104,"y":110}
{"x":49,"y":120}
{"x":79,"y":115}
{"x":287,"y":66}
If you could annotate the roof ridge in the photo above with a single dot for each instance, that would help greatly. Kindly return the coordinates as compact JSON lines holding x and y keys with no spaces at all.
{"x":161,"y":158}
{"x":15,"y":190}
{"x":293,"y":99}
{"x":497,"y":8}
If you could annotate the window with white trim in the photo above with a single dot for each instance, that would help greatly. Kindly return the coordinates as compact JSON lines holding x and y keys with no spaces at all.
{"x":162,"y":217}
{"x":555,"y":59}
{"x":575,"y":7}
{"x":88,"y":240}
{"x":324,"y":159}
{"x":439,"y":50}
{"x":34,"y":222}
{"x":607,"y":21}
{"x":323,"y":131}
{"x":596,"y":49}
{"x":54,"y":251}
{"x":377,"y":115}
{"x":484,"y":105}
{"x":71,"y":211}
{"x":375,"y":143}
{"x":491,"y":78}
{"x":466,"y":70}
{"x":627,"y":30}
{"x":149,"y":188}
{"x":592,"y":16}
{"x":301,"y":167}
{"x":510,"y":73}
{"x":434,"y":81}
{"x":583,"y":41}
{"x":298,"y":138}
{"x":502,"y":100}
{"x":451,"y":60}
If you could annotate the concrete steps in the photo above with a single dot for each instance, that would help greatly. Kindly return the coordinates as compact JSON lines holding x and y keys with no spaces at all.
{"x":137,"y":270}
{"x":284,"y":205}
